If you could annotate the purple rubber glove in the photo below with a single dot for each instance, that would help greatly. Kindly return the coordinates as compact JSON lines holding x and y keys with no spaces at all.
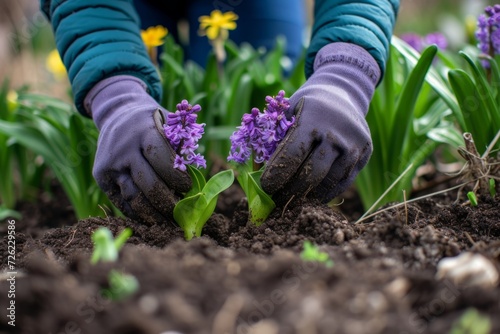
{"x":330,"y":141}
{"x":134,"y":162}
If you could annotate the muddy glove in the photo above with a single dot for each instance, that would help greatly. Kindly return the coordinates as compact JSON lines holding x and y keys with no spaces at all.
{"x":330,"y":141}
{"x":134,"y":162}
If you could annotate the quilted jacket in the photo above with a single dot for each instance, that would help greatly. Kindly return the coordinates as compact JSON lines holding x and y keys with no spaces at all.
{"x":98,"y":39}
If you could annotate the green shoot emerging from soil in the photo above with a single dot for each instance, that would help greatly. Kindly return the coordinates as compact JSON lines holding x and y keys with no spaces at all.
{"x":472,"y":198}
{"x":472,"y":322}
{"x":120,"y":285}
{"x":311,"y":252}
{"x":105,"y":247}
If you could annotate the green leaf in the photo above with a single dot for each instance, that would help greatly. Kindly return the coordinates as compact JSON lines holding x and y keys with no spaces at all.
{"x":406,"y":103}
{"x":433,"y":78}
{"x":471,"y":106}
{"x":260,"y":204}
{"x":447,"y":135}
{"x":191,"y":213}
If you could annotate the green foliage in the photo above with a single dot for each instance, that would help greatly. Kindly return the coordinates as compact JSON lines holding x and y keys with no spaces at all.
{"x":67,"y":143}
{"x":492,"y":187}
{"x":120,"y":285}
{"x":408,"y":117}
{"x":479,"y":99}
{"x":260,"y":204}
{"x":472,"y":198}
{"x":311,"y":252}
{"x":106,"y":248}
{"x":21,"y":169}
{"x":193,"y":211}
{"x":472,"y":322}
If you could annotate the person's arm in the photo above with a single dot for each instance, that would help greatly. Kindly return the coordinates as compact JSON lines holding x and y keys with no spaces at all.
{"x":97,"y":40}
{"x":368,"y":24}
{"x":116,"y":84}
{"x":330,"y":141}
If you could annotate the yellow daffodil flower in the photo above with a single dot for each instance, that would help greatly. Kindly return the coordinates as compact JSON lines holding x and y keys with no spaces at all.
{"x":12,"y":102}
{"x":152,"y":38}
{"x":55,"y":65}
{"x":217,"y":24}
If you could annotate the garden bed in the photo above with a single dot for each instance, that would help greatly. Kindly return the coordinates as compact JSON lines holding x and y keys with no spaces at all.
{"x":240,"y":279}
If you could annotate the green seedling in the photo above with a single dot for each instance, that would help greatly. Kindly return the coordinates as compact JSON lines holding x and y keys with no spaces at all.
{"x":492,"y":187}
{"x":105,"y":247}
{"x":120,"y":285}
{"x":193,"y":211}
{"x":472,"y":198}
{"x":472,"y":322}
{"x":311,"y":252}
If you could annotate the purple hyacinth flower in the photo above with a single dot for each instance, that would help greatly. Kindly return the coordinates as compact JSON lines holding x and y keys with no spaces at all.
{"x":261,"y":132}
{"x":183,"y":133}
{"x":488,"y":32}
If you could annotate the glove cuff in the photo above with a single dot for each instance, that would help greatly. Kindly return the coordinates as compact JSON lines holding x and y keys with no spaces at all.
{"x":351,"y":55}
{"x":112,"y":87}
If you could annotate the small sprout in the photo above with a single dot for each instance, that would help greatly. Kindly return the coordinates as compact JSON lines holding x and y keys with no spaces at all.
{"x":492,"y":186}
{"x":311,"y":252}
{"x":472,"y":198}
{"x":472,"y":322}
{"x":120,"y":285}
{"x":105,"y":247}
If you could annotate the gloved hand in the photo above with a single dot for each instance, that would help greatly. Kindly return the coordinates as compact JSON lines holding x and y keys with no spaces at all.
{"x":330,"y":141}
{"x":134,"y":161}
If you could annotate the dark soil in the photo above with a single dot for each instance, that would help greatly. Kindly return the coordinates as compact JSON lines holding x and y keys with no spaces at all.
{"x":243,"y":279}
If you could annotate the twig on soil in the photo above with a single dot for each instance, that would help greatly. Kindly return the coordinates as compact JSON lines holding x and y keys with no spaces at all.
{"x":286,"y":205}
{"x":470,"y":238}
{"x":365,"y":217}
{"x":387,"y":190}
{"x":71,"y":239}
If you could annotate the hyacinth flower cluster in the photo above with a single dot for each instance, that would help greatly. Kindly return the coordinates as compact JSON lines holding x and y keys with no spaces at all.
{"x":259,"y":135}
{"x":261,"y":132}
{"x":183,"y":133}
{"x":488,"y":32}
{"x":195,"y":208}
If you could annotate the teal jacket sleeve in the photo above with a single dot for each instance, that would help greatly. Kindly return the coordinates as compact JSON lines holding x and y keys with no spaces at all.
{"x":366,"y":23}
{"x":98,"y":39}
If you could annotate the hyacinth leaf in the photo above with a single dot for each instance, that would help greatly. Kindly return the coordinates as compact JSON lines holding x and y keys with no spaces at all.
{"x":198,"y":180}
{"x":491,"y":111}
{"x":409,"y":95}
{"x":447,"y":135}
{"x":433,"y":78}
{"x":465,"y":90}
{"x":260,"y":204}
{"x":481,"y":81}
{"x":192,"y":212}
